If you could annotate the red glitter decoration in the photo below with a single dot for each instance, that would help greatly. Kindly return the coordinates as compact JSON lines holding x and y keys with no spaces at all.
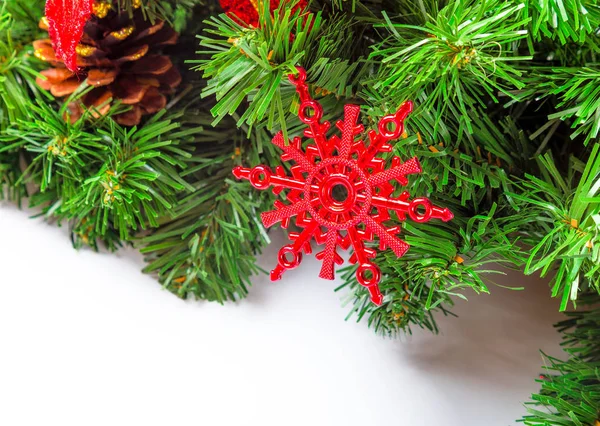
{"x":246,"y":11}
{"x":326,"y":169}
{"x":66,"y":19}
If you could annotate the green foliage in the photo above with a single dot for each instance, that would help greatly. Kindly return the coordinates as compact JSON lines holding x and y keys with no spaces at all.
{"x":560,"y":217}
{"x":17,"y":86}
{"x":22,"y":17}
{"x":136,"y":184}
{"x":570,"y":393}
{"x":10,"y":174}
{"x":568,"y":21}
{"x":578,"y":93}
{"x":438,"y":265}
{"x":248,"y":67}
{"x":582,"y":331}
{"x":487,"y":130}
{"x":474,"y":168}
{"x":111,"y":178}
{"x":58,"y":147}
{"x":252,"y":64}
{"x":403,"y":308}
{"x":176,"y":12}
{"x":461,"y":57}
{"x":199,"y":253}
{"x":17,"y":69}
{"x":114,"y":185}
{"x":207,"y":248}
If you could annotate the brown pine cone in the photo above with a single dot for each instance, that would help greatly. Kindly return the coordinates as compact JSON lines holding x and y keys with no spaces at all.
{"x":121,"y":58}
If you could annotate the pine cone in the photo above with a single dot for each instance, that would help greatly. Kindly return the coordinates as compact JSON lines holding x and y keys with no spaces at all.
{"x":120,"y":57}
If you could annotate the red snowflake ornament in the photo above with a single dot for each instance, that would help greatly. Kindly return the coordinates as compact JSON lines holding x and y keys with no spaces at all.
{"x":340,"y":191}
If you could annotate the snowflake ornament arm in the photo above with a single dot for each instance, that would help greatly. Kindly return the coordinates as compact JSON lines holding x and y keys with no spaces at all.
{"x":329,"y":167}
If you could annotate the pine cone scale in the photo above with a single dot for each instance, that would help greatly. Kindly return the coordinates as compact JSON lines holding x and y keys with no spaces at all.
{"x":55,"y":76}
{"x":149,"y":31}
{"x":43,"y":50}
{"x":153,"y":101}
{"x":121,"y":58}
{"x":151,"y":64}
{"x":132,"y":117}
{"x":129,"y":91}
{"x":64,"y":88}
{"x":170,"y":79}
{"x":101,"y":77}
{"x":133,"y":54}
{"x":149,"y":81}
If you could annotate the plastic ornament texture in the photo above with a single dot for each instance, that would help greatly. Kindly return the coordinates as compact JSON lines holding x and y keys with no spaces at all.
{"x":66,"y":20}
{"x":340,"y":191}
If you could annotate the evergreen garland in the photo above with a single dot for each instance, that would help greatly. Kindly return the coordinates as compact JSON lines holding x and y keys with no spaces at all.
{"x":506,"y":126}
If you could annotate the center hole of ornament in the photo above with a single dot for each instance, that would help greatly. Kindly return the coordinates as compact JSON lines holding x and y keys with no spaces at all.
{"x":339,"y":193}
{"x":309,"y":111}
{"x":421,"y":210}
{"x":289,"y":257}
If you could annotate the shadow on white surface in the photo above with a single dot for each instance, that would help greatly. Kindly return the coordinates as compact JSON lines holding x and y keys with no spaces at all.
{"x":86,"y":339}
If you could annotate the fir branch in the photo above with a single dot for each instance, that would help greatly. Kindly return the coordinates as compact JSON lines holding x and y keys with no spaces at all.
{"x":207,"y":249}
{"x":253,"y":63}
{"x":17,"y":88}
{"x":175,"y":12}
{"x":23,"y":17}
{"x":11,"y":187}
{"x":18,"y":71}
{"x":565,"y":20}
{"x":475,"y":168}
{"x":58,"y":147}
{"x":403,"y":308}
{"x":582,"y":331}
{"x":578,"y":94}
{"x":200,"y":252}
{"x":114,"y":179}
{"x":571,"y":394}
{"x":439,"y":264}
{"x":137,"y":182}
{"x":570,"y":390}
{"x":460,"y":56}
{"x":559,"y":217}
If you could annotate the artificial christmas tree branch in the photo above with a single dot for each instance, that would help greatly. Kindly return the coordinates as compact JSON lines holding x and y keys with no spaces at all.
{"x":570,"y":389}
{"x":567,"y":211}
{"x":570,"y":21}
{"x":207,"y":248}
{"x":254,"y":64}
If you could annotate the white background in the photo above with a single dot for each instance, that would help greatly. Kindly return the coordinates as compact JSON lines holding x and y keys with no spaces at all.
{"x":87,"y":339}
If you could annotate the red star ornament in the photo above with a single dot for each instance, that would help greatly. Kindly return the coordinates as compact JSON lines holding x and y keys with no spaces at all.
{"x":339,"y":191}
